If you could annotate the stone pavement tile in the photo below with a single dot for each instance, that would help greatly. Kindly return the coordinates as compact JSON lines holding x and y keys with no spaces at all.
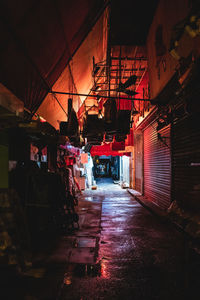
{"x":82,"y":256}
{"x":86,"y":242}
{"x":148,"y":204}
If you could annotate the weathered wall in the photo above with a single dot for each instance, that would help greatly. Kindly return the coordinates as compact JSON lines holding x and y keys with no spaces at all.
{"x":162,"y":67}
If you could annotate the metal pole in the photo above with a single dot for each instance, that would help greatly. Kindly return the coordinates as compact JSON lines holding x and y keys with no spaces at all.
{"x":129,"y":58}
{"x":97,"y":96}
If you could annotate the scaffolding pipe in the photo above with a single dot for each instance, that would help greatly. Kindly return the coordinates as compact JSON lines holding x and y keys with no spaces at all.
{"x":98,"y":96}
{"x":129,"y":58}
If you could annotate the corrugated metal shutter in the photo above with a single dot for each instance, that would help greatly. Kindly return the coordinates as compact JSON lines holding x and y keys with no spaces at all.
{"x":157,"y":165}
{"x":186,"y":162}
{"x":138,"y":146}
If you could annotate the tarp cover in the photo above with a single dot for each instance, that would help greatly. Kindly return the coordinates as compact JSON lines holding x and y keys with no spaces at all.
{"x":77,"y":75}
{"x":37,"y":40}
{"x":106,"y":149}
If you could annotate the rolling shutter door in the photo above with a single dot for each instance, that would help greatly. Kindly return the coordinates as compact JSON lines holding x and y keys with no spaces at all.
{"x":186,"y":162}
{"x":138,"y":145}
{"x":157,"y":165}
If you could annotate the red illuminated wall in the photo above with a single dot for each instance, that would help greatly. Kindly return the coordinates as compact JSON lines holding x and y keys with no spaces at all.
{"x":77,"y":76}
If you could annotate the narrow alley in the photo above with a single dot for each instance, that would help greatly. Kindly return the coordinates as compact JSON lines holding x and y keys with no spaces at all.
{"x":120,"y":251}
{"x":99,"y":150}
{"x":139,"y":257}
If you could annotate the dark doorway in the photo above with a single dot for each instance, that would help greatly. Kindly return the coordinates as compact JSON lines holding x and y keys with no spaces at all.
{"x":106,"y":167}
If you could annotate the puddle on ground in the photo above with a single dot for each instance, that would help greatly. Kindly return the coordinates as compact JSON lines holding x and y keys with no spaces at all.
{"x":81,"y":270}
{"x":82,"y":242}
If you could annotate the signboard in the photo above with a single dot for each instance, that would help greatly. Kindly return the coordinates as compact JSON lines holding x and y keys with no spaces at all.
{"x":84,"y":158}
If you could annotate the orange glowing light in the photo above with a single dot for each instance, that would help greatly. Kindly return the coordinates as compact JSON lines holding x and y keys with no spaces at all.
{"x":104,"y":271}
{"x":67,"y":279}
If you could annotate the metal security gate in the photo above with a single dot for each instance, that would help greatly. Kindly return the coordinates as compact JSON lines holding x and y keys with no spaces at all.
{"x":157,"y":165}
{"x":186,"y":162}
{"x":138,"y":137}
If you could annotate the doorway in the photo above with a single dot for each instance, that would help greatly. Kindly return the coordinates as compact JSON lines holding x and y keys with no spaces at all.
{"x":106,"y":169}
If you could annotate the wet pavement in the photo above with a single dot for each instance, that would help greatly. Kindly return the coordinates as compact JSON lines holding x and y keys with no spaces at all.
{"x":139,"y":257}
{"x":121,"y":251}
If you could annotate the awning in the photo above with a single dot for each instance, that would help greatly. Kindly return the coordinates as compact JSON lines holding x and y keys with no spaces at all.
{"x":106,"y":149}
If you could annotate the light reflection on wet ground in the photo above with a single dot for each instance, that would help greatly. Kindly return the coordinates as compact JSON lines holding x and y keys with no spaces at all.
{"x":136,"y":257}
{"x":121,"y":251}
